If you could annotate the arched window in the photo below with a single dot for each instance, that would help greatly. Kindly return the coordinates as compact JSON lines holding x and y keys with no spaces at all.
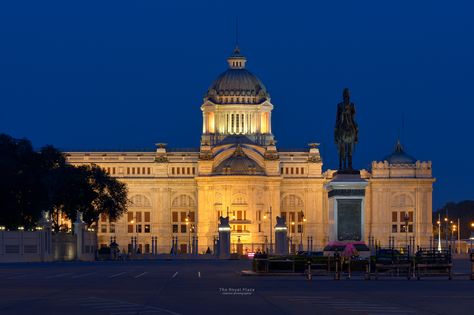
{"x":140,"y":201}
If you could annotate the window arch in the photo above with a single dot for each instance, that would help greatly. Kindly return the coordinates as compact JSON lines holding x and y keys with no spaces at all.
{"x":183,"y":201}
{"x":140,"y":201}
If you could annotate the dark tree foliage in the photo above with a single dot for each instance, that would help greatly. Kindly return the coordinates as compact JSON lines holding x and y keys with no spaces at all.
{"x":463,"y":210}
{"x":34,"y":181}
{"x":22,"y":194}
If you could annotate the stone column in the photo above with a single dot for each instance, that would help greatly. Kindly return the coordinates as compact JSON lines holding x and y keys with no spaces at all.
{"x":79,"y":229}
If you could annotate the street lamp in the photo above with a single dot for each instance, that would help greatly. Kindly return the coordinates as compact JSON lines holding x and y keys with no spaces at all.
{"x":303,"y":220}
{"x":406,"y":218}
{"x":439,"y":232}
{"x":291,"y":237}
{"x":270,"y":227}
{"x":189,"y":232}
{"x":471,"y":238}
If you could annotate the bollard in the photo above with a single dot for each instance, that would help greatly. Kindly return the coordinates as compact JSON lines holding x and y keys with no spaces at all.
{"x":337,"y":259}
{"x":367,"y":271}
{"x":349,"y":269}
{"x":309,"y":276}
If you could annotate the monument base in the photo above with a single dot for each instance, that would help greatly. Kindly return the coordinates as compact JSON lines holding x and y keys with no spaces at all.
{"x":346,"y":193}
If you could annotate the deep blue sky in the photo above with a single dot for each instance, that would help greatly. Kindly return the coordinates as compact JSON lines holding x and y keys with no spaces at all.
{"x":128,"y":74}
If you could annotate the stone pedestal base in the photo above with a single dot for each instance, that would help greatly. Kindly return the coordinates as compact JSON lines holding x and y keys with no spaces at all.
{"x":346,"y":193}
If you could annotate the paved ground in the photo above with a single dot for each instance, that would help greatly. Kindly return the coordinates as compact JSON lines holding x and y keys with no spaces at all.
{"x":216,"y":287}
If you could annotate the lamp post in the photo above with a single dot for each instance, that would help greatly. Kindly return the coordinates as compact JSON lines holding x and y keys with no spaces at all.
{"x":270,"y":227}
{"x":439,"y":232}
{"x":189,"y":232}
{"x":471,"y":238}
{"x":134,"y":227}
{"x":303,"y":220}
{"x":291,"y":237}
{"x":406,"y":218}
{"x":446,"y":231}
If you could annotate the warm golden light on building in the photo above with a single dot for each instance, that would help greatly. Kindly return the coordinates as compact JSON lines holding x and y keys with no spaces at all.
{"x":240,"y":172}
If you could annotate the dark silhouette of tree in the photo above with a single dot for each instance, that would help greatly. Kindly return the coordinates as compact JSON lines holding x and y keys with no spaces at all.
{"x":34,"y":181}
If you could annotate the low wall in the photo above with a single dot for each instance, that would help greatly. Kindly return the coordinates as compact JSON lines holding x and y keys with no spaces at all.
{"x":42,"y":245}
{"x":25,"y":246}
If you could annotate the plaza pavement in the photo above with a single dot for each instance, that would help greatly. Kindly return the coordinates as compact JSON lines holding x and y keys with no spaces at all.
{"x":217,"y":287}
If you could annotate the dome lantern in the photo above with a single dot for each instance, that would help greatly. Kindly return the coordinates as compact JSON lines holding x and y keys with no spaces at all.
{"x":236,"y":60}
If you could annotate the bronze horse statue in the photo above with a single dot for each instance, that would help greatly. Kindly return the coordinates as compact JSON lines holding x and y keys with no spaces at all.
{"x":346,"y":131}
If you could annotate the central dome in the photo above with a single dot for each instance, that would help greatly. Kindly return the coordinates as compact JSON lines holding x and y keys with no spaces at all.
{"x":237,"y":85}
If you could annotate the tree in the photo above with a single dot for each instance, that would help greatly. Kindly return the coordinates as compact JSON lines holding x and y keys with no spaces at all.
{"x":33,"y":181}
{"x":22,"y":195}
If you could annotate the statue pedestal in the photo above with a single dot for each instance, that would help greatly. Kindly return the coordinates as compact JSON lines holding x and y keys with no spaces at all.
{"x":346,"y":193}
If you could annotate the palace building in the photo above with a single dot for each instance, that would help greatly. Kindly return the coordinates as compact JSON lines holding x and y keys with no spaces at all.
{"x":238,"y":171}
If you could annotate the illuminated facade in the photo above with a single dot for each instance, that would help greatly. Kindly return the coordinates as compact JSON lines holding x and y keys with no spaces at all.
{"x":239,"y":171}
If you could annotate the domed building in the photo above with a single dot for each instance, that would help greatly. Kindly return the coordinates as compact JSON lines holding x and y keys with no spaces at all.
{"x":177,"y":195}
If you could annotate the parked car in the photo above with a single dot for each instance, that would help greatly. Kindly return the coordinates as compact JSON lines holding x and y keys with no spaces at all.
{"x":347,"y":249}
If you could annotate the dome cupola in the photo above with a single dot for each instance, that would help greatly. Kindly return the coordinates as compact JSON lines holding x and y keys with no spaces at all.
{"x":399,"y":156}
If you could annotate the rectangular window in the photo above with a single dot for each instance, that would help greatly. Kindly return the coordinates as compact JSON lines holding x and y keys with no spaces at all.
{"x":138,"y":216}
{"x":133,"y":170}
{"x":283,"y":215}
{"x":292,"y":217}
{"x":194,"y":170}
{"x":183,"y":228}
{"x":183,"y":170}
{"x":183,"y":216}
{"x":300,"y":216}
{"x":297,"y":171}
{"x":175,"y":228}
{"x":239,"y":228}
{"x":191,"y":216}
{"x":302,"y":171}
{"x":130,"y":228}
{"x":259,"y":216}
{"x":149,"y":170}
{"x":260,"y":227}
{"x":143,"y":171}
{"x":177,"y":170}
{"x":172,"y":170}
{"x":138,"y":170}
{"x":147,"y":228}
{"x":394,"y":228}
{"x":113,"y":170}
{"x":394,"y":216}
{"x":410,"y":215}
{"x":292,"y":228}
{"x":139,"y":228}
{"x":188,"y":170}
{"x":239,"y":215}
{"x":286,"y":171}
{"x":103,"y":217}
{"x":291,"y":171}
{"x":175,"y":216}
{"x":402,"y":228}
{"x":130,"y":217}
{"x":300,"y":228}
{"x":147,"y":248}
{"x":128,"y":170}
{"x":147,"y":216}
{"x":281,"y":170}
{"x":103,"y":228}
{"x":112,"y":228}
{"x":410,"y":228}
